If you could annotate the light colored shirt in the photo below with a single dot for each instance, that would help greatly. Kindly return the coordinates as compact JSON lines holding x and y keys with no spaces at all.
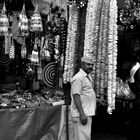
{"x":82,"y":85}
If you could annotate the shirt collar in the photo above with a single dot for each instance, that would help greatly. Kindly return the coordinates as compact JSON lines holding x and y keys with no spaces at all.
{"x":82,"y":72}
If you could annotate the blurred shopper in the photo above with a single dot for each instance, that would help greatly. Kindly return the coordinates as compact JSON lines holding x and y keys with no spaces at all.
{"x":134,"y":84}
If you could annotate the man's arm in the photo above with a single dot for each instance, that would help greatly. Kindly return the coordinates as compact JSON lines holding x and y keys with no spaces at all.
{"x":137,"y":80}
{"x":78,"y":104}
{"x":79,"y":107}
{"x":135,"y":87}
{"x":76,"y":90}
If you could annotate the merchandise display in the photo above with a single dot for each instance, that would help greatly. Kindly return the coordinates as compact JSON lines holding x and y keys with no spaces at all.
{"x":41,"y":50}
{"x":38,"y":57}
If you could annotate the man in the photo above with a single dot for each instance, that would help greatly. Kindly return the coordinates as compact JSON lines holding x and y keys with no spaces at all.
{"x":83,"y":103}
{"x":134,"y":84}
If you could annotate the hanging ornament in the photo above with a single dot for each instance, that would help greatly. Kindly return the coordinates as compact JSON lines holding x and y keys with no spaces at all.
{"x":23,"y":23}
{"x":39,"y":70}
{"x":46,"y":55}
{"x":34,"y":55}
{"x":36,"y":21}
{"x":57,"y":54}
{"x":41,"y":46}
{"x":23,"y":50}
{"x":12,"y":51}
{"x":30,"y":74}
{"x":4,"y":58}
{"x":49,"y":74}
{"x":4,"y":22}
{"x":7,"y":43}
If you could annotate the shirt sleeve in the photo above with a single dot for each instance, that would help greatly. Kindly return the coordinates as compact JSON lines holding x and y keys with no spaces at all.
{"x":76,"y":86}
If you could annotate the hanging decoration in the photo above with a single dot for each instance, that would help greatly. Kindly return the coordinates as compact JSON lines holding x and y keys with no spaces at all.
{"x":12,"y":51}
{"x":4,"y":58}
{"x":35,"y":55}
{"x":49,"y":74}
{"x":36,"y":21}
{"x":70,"y":48}
{"x":23,"y":49}
{"x":4,"y":22}
{"x":23,"y":23}
{"x":79,"y":3}
{"x":100,"y":43}
{"x":44,"y":6}
{"x":112,"y":52}
{"x":7,"y":43}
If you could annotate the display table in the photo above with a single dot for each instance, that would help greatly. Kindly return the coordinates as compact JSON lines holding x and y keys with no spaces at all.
{"x":39,"y":123}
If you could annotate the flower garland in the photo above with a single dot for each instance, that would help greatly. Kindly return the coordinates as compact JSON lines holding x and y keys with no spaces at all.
{"x":98,"y":55}
{"x":97,"y":38}
{"x":100,"y":43}
{"x":90,"y":27}
{"x":80,"y":37}
{"x":70,"y":48}
{"x":112,"y":55}
{"x":101,"y":50}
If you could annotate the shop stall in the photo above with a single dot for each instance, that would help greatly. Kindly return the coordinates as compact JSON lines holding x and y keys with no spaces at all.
{"x":32,"y":43}
{"x":41,"y":43}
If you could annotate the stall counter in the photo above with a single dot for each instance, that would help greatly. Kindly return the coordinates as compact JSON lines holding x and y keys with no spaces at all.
{"x":38,"y":123}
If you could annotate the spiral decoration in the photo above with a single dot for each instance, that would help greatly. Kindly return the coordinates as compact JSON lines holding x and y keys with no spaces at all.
{"x":4,"y":58}
{"x":49,"y":73}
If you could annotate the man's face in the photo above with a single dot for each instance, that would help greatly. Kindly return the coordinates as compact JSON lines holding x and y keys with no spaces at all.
{"x":87,"y":67}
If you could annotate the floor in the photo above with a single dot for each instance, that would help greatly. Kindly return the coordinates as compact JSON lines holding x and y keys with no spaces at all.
{"x":110,"y":127}
{"x":108,"y":136}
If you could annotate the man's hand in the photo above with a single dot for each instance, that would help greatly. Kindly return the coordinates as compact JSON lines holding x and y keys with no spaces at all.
{"x":83,"y":119}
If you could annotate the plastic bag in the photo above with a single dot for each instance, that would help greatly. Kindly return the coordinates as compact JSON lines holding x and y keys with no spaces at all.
{"x":124,"y":91}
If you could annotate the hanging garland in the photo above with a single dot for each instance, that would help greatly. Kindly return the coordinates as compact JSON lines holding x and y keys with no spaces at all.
{"x":103,"y":51}
{"x":100,"y":43}
{"x":112,"y":50}
{"x":100,"y":23}
{"x":90,"y":27}
{"x":71,"y":39}
{"x":80,"y":38}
